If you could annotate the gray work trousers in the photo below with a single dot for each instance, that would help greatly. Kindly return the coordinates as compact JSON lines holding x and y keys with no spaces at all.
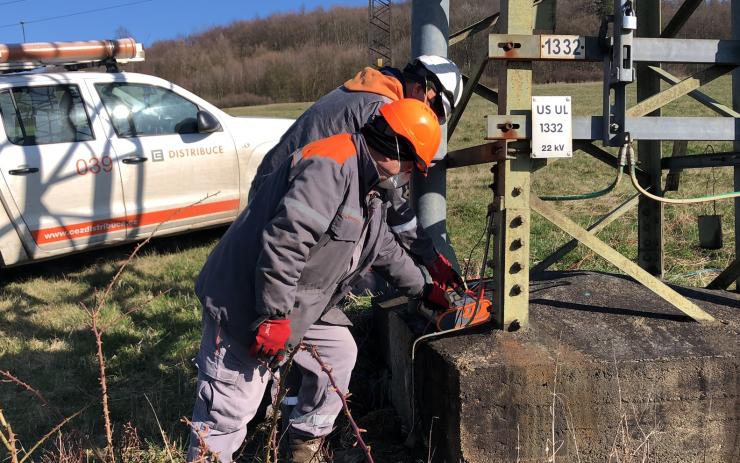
{"x":231,"y":384}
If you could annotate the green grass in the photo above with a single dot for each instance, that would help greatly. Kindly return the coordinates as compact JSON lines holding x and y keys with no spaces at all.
{"x":45,"y":341}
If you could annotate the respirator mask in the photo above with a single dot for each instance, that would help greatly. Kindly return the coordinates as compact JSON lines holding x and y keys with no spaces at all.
{"x":398,"y":180}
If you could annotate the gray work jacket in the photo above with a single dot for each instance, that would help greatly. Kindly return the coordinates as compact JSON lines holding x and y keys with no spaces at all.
{"x":289,"y":252}
{"x":345,"y":110}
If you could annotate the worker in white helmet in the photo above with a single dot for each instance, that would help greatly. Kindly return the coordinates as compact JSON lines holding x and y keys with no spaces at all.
{"x":436,"y":81}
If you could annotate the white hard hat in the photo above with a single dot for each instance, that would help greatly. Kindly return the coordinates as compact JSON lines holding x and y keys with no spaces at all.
{"x":444,"y":74}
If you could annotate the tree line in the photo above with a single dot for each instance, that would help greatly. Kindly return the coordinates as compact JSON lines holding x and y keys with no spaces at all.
{"x":303,"y":55}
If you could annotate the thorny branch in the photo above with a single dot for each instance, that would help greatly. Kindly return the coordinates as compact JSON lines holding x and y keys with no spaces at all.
{"x":35,"y":392}
{"x":53,"y":431}
{"x":356,"y":429}
{"x":204,"y":453}
{"x":117,"y":276}
{"x":98,"y":332}
{"x":9,"y":441}
{"x":271,"y":450}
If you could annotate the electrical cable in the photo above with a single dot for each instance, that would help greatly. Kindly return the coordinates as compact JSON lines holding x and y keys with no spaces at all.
{"x":69,"y":15}
{"x":592,"y":195}
{"x":475,"y":246}
{"x":633,"y":175}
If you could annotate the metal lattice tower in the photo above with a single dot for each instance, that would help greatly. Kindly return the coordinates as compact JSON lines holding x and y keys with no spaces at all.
{"x":632,"y":52}
{"x":379,"y":32}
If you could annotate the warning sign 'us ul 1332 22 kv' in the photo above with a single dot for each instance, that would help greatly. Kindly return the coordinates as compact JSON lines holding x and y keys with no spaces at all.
{"x":552,"y":127}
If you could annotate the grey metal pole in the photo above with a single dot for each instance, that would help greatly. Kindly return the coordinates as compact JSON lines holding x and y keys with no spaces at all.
{"x":735,"y":13}
{"x":429,"y":35}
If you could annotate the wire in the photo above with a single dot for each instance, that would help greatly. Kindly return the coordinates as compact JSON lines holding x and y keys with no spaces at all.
{"x":594,"y":194}
{"x":633,"y":175}
{"x":78,"y":13}
{"x":475,"y":246}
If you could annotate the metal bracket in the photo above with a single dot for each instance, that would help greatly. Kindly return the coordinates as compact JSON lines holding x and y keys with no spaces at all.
{"x":518,"y":127}
{"x":508,"y":127}
{"x":516,"y":47}
{"x":481,"y":154}
{"x":661,"y":128}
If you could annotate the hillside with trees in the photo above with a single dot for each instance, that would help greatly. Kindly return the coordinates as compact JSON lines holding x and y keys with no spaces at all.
{"x":301,"y":56}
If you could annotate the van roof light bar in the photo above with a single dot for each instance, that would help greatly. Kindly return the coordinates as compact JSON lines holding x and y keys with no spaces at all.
{"x":73,"y":55}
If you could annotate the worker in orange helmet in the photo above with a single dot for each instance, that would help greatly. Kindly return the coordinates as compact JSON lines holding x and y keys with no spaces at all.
{"x":434,"y":80}
{"x":276,"y":277}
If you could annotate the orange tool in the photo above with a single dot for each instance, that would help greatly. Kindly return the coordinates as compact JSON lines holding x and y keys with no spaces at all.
{"x":467,"y":310}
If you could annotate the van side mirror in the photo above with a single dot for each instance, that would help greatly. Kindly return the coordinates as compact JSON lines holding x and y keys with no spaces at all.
{"x":207,"y":122}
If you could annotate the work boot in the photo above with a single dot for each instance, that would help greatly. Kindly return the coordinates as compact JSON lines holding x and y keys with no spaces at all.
{"x":307,"y":450}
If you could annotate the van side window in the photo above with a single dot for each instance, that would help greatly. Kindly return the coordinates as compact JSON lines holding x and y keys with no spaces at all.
{"x":138,"y":110}
{"x":44,"y":115}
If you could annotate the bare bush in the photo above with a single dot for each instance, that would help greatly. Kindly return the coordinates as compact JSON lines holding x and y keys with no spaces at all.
{"x":301,"y":56}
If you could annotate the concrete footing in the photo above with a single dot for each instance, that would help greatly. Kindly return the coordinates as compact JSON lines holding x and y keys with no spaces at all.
{"x":606,"y":371}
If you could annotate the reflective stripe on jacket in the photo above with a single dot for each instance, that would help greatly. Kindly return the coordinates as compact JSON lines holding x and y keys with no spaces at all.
{"x":345,"y":110}
{"x":288,"y":253}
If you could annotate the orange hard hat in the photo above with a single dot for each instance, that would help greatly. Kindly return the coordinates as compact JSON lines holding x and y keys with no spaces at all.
{"x":417,"y":123}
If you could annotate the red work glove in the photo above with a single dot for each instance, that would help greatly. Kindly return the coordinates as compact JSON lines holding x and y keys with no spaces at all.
{"x":435,"y":297}
{"x":444,"y":274}
{"x":269,"y":340}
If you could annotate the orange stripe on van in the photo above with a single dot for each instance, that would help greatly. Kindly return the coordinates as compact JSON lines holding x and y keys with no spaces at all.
{"x":338,"y":148}
{"x":97,"y":227}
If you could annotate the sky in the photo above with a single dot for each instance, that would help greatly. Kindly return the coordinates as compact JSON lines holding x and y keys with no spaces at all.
{"x":147,"y":20}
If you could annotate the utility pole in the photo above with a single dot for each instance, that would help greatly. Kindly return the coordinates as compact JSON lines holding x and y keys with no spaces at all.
{"x":429,"y":35}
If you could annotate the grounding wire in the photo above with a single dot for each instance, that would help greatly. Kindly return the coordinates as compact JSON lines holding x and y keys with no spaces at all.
{"x":701,"y":199}
{"x":592,"y":195}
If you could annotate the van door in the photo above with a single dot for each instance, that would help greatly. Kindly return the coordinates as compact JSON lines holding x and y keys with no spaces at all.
{"x":62,"y":176}
{"x":174,"y":178}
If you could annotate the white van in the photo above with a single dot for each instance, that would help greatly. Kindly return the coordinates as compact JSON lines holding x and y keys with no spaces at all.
{"x":91,"y":159}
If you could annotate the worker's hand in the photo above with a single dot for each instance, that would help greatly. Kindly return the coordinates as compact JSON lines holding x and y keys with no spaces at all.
{"x":435,"y":297}
{"x":444,"y":274}
{"x":270,"y":338}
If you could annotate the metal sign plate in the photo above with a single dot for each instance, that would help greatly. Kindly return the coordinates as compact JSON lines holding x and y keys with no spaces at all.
{"x":552,"y":127}
{"x":562,"y":47}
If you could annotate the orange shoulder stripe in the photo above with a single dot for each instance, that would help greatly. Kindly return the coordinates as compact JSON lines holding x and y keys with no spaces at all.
{"x":338,"y":148}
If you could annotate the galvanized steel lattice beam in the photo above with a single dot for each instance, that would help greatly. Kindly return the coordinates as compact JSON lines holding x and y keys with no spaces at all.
{"x":650,"y":239}
{"x":512,"y":182}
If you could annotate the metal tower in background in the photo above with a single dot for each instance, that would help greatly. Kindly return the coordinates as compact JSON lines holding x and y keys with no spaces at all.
{"x":379,"y":32}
